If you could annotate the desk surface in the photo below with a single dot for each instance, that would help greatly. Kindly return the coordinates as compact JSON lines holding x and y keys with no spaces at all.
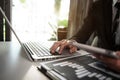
{"x":15,"y":65}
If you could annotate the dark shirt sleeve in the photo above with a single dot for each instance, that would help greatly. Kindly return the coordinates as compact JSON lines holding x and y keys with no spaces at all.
{"x":87,"y":28}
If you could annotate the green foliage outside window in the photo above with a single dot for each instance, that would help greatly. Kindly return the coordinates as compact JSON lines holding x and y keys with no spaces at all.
{"x":22,"y":1}
{"x":63,"y":22}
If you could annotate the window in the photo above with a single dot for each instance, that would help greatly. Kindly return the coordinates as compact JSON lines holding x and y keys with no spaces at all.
{"x":37,"y":19}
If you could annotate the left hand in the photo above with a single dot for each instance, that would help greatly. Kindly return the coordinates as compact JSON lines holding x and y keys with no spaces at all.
{"x":111,"y":62}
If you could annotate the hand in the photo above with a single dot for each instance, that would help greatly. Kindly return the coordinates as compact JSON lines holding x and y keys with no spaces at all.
{"x":110,"y":62}
{"x":62,"y":45}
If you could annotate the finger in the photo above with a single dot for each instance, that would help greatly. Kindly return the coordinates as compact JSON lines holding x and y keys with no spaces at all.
{"x":107,"y":60}
{"x":73,"y":49}
{"x":104,"y":58}
{"x":115,"y":67}
{"x":118,"y":53}
{"x":116,"y":63}
{"x":55,"y":46}
{"x":63,"y":45}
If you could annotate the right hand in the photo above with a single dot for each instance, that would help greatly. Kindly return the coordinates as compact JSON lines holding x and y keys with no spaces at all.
{"x":62,"y":45}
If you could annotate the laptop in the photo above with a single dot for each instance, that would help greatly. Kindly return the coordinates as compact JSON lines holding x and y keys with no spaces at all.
{"x":37,"y":50}
{"x":82,"y":67}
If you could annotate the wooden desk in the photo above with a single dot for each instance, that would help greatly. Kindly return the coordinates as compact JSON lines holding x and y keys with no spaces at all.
{"x":15,"y":65}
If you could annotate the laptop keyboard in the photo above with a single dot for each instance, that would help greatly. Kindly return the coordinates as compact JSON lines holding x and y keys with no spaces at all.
{"x":40,"y":49}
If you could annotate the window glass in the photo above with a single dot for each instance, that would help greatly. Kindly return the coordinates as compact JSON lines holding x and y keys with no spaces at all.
{"x":37,"y":19}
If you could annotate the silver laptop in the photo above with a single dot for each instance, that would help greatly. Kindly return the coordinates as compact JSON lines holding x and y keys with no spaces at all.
{"x":36,"y":50}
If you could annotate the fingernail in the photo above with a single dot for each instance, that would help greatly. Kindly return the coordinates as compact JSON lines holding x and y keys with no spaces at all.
{"x":52,"y":51}
{"x":59,"y":52}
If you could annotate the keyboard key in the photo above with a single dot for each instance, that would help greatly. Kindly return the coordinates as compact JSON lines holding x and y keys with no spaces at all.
{"x":83,"y":75}
{"x":92,"y":75}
